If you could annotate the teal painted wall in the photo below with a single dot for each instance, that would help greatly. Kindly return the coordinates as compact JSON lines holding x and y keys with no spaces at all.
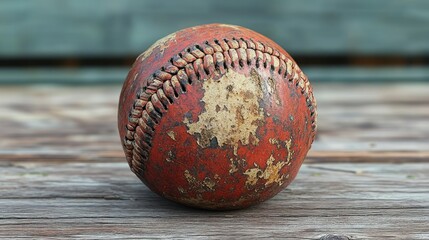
{"x":96,"y":29}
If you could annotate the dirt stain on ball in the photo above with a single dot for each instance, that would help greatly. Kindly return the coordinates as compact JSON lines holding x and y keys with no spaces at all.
{"x":231,"y":111}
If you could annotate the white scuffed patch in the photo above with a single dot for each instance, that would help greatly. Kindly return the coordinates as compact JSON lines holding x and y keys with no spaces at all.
{"x":231,"y":111}
{"x":236,"y":164}
{"x":287,"y":144}
{"x":161,"y":44}
{"x":271,"y":174}
{"x":172,"y":135}
{"x":289,"y":151}
{"x":208,"y":184}
{"x":235,"y":27}
{"x":170,"y":157}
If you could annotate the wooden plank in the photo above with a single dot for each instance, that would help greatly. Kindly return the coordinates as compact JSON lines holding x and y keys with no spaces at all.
{"x":314,"y":156}
{"x":87,"y":28}
{"x":105,"y":200}
{"x":375,"y":122}
{"x":63,"y":173}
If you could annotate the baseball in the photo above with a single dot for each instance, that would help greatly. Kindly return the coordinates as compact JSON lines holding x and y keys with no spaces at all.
{"x":216,"y":117}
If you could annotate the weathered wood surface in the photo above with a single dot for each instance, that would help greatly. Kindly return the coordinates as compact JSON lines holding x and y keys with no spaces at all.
{"x":80,"y":122}
{"x":88,"y":28}
{"x":105,"y":200}
{"x":63,"y":173}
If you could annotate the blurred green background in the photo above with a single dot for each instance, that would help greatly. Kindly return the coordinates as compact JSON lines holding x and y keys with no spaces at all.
{"x":95,"y":42}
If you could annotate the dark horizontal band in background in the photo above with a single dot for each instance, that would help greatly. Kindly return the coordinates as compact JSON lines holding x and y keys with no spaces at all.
{"x":303,"y":60}
{"x":116,"y":75}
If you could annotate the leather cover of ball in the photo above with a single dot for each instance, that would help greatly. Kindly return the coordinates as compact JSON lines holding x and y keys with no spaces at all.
{"x":216,"y":117}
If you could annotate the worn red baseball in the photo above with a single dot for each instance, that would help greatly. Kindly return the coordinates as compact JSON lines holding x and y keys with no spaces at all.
{"x":216,"y":117}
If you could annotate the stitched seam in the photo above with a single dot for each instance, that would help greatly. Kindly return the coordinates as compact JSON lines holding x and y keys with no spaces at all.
{"x":195,"y":63}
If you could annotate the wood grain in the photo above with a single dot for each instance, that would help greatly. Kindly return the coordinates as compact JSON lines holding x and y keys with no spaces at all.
{"x":375,"y":122}
{"x":63,"y":173}
{"x":105,"y":200}
{"x":99,"y":28}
